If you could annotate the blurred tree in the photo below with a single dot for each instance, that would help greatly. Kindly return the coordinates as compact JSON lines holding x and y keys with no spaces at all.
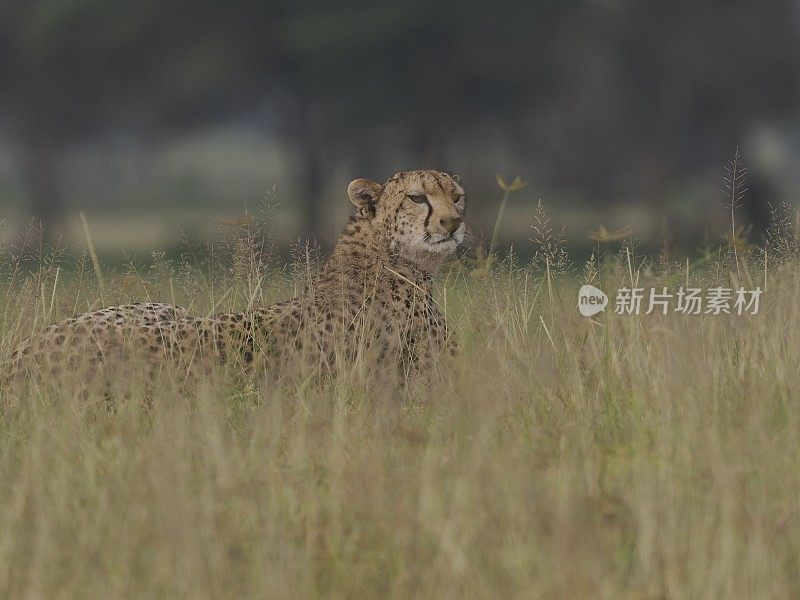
{"x":72,"y":68}
{"x":610,"y":98}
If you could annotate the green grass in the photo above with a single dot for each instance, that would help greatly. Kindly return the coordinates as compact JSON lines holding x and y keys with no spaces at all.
{"x":557,"y":457}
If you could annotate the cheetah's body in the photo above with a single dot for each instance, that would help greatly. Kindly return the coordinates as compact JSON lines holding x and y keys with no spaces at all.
{"x":372,"y":298}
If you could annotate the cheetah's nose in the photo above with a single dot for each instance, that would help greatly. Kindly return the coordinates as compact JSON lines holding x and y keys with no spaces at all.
{"x":450,"y":224}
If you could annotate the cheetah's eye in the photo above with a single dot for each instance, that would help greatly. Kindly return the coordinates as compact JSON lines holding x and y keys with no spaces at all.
{"x":418,"y":198}
{"x":459,"y":199}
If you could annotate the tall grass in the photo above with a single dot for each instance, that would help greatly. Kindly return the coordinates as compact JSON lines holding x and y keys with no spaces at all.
{"x":558,"y":456}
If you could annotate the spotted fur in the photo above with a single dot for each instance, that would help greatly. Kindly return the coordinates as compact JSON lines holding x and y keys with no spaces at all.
{"x":371,"y":300}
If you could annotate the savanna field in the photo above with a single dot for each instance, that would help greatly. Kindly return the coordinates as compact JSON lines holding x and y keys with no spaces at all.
{"x":559,"y":456}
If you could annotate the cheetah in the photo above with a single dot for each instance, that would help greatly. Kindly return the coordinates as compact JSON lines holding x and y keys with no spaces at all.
{"x":371,"y":300}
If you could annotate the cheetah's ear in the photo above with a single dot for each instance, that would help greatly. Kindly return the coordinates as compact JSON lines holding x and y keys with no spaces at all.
{"x":364,"y":194}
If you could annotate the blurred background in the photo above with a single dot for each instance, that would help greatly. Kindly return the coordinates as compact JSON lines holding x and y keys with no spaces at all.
{"x":169,"y":116}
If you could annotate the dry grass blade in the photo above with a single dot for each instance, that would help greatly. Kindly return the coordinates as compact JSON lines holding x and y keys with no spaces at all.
{"x":93,"y":254}
{"x":625,"y":456}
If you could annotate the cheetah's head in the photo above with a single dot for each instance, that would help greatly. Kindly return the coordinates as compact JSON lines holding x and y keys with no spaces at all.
{"x":420,"y":213}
